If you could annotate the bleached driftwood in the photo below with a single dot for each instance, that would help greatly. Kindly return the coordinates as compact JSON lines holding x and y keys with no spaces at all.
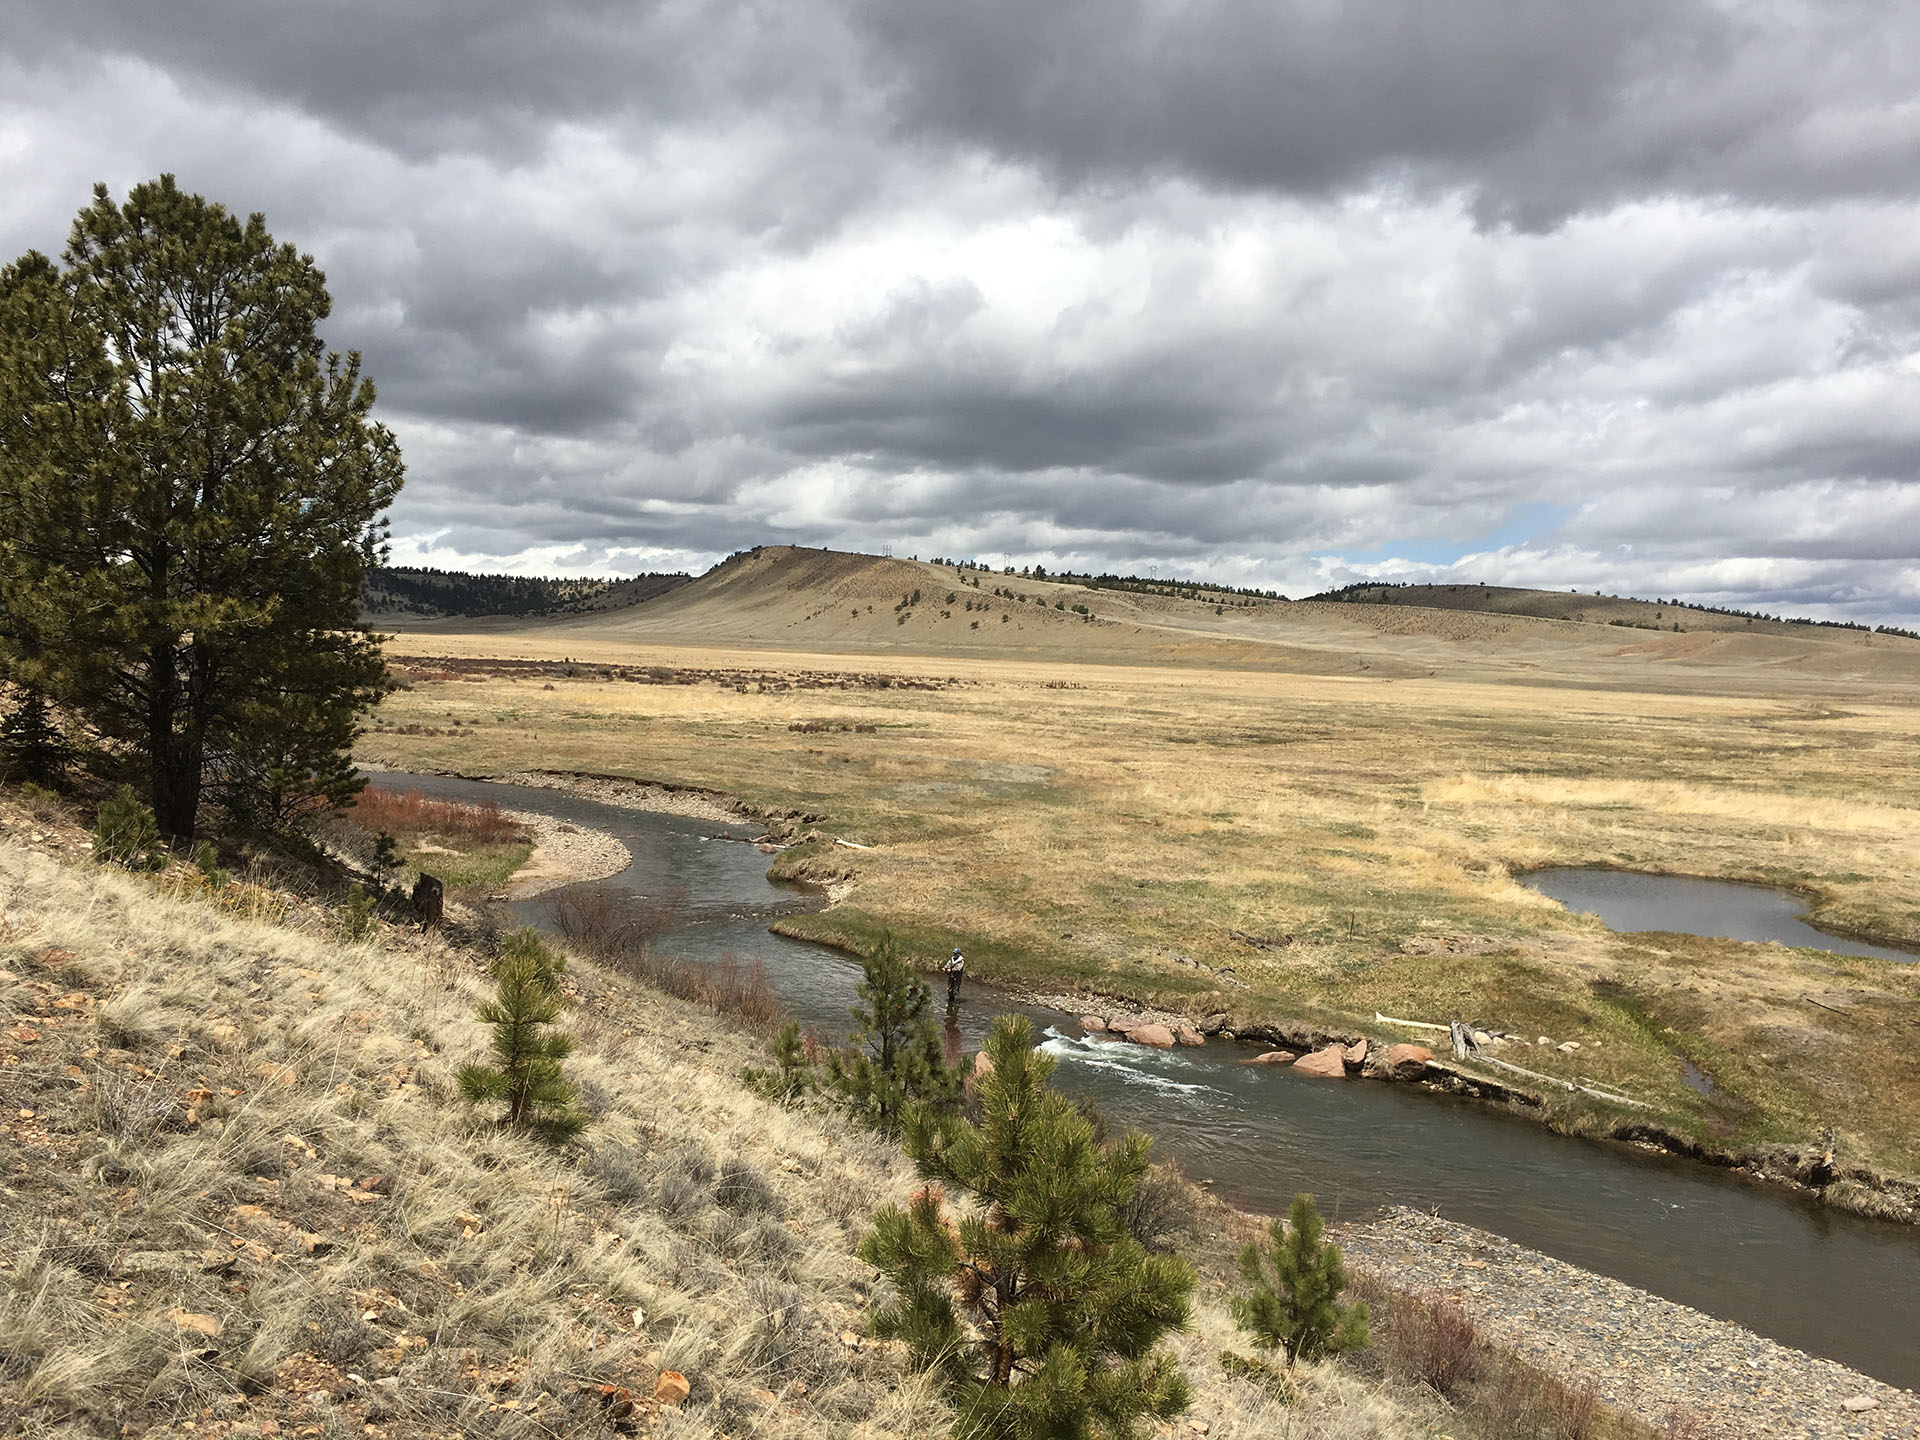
{"x":1410,"y":1024}
{"x":1563,"y":1084}
{"x":851,"y":845}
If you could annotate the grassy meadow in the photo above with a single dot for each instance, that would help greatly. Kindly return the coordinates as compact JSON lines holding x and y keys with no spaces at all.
{"x":1093,"y":827}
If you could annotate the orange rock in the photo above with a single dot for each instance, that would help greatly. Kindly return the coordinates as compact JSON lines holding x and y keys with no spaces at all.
{"x":1187,"y":1035}
{"x":1355,"y":1054}
{"x":1329,"y":1064}
{"x":1406,"y":1062}
{"x":1273,"y":1057}
{"x":207,"y":1325}
{"x":672,"y":1389}
{"x":1157,"y":1036}
{"x":1092,"y":1024}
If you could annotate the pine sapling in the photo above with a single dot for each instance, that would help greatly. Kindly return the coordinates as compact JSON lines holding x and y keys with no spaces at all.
{"x":1041,"y":1312}
{"x":1293,"y":1290}
{"x":895,"y":1058}
{"x":125,"y":833}
{"x":526,"y":1076}
{"x":32,"y":748}
{"x":794,"y":1071}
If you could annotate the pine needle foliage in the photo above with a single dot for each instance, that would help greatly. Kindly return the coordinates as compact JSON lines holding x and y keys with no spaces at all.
{"x":126,"y":834}
{"x":191,"y":488}
{"x":794,"y":1071}
{"x":526,"y":945}
{"x":894,"y":1059}
{"x":32,"y":749}
{"x":526,"y":1075}
{"x":1035,"y":1304}
{"x":1293,"y":1290}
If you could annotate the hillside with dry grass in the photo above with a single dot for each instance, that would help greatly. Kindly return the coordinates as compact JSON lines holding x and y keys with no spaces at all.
{"x":239,"y":1196}
{"x":801,"y":601}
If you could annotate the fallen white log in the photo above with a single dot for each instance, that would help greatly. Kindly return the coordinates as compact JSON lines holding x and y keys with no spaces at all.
{"x":1410,"y":1024}
{"x":852,"y":846}
{"x":1563,"y":1084}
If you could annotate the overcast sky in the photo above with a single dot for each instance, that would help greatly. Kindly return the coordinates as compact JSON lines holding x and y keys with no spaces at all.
{"x":1618,"y":296}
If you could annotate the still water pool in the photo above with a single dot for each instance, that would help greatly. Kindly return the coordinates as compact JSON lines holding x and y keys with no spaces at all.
{"x":1685,"y":905}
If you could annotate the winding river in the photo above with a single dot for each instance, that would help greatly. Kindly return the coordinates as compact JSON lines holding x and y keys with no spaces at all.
{"x":1829,"y":1283}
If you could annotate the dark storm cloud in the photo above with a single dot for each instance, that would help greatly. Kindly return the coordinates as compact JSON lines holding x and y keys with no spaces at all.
{"x":426,"y":75}
{"x":1229,"y":289}
{"x":1540,"y":109}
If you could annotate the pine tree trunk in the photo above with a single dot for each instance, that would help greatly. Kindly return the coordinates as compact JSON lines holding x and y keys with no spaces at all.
{"x":176,"y":786}
{"x":174,"y":765}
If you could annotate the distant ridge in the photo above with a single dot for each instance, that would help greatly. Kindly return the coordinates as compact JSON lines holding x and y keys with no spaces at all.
{"x":1594,"y":609}
{"x":413,"y":591}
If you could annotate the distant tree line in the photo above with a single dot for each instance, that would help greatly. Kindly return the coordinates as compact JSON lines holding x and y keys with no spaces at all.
{"x":1369,"y":592}
{"x":427,"y":591}
{"x":1179,"y":589}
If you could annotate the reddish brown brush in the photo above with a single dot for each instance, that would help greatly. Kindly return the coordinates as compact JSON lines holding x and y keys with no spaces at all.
{"x":595,"y":922}
{"x":407,"y":813}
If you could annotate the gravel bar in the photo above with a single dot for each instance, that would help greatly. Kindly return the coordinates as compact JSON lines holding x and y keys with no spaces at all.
{"x":1648,"y":1356}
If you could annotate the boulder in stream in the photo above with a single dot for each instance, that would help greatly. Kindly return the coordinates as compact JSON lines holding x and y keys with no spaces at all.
{"x":1329,"y":1064}
{"x":1406,"y":1062}
{"x":1355,"y":1055}
{"x":1092,"y":1024}
{"x":1273,"y":1057}
{"x":1157,"y":1036}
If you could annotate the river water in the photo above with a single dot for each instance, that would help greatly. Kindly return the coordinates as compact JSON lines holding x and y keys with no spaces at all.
{"x":1832,"y":1284}
{"x":1686,"y":905}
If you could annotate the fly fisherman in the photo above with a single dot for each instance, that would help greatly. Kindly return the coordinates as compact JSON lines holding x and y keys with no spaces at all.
{"x":956,"y":968}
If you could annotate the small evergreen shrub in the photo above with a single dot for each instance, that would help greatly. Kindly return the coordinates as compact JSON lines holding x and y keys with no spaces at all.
{"x":1293,"y":1290}
{"x":125,"y":833}
{"x":1040,"y":1312}
{"x":794,"y":1071}
{"x":895,"y":1059}
{"x":526,"y":1075}
{"x":31,"y":745}
{"x":526,"y":945}
{"x":206,"y":859}
{"x":357,"y":913}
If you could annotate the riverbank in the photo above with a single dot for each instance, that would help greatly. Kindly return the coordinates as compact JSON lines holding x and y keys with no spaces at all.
{"x":563,"y":854}
{"x":1648,"y":1356}
{"x":1854,"y":1189}
{"x":831,"y":870}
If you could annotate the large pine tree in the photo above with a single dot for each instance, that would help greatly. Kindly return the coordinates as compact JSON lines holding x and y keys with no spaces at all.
{"x":190,"y":495}
{"x":1043,"y":1313}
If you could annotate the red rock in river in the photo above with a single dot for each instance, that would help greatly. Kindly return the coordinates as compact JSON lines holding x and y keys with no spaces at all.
{"x":1273,"y":1057}
{"x":1329,"y":1064}
{"x":1355,"y":1054}
{"x":1157,"y":1036}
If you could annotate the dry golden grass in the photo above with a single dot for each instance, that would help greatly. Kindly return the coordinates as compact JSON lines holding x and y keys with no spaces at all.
{"x":238,"y":1193}
{"x":1088,"y":824}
